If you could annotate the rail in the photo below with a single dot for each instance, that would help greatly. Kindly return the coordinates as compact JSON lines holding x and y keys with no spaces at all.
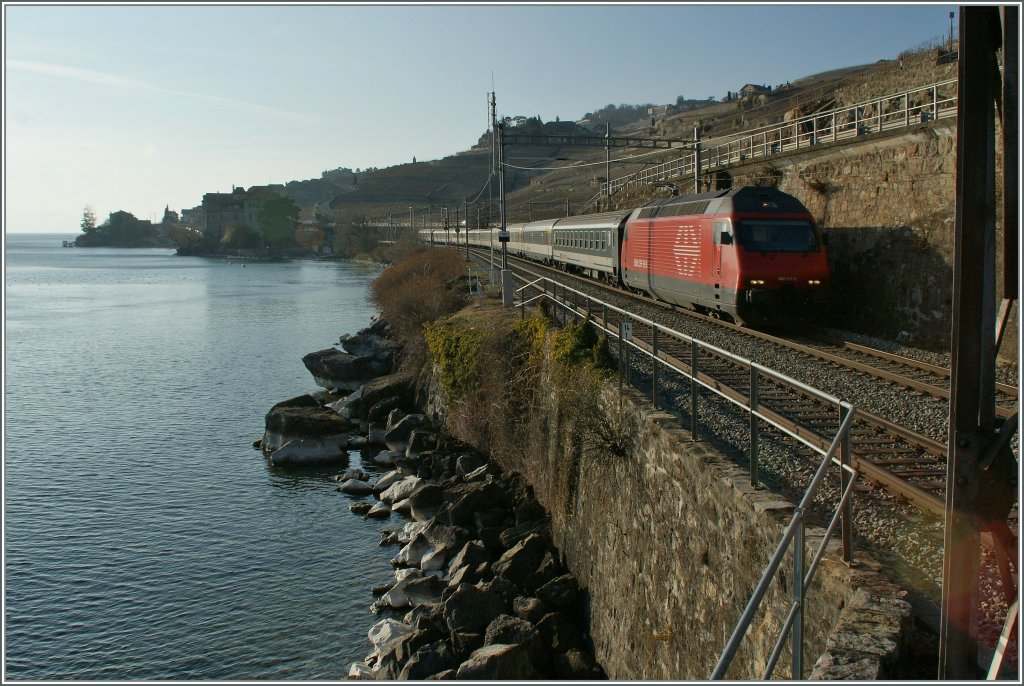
{"x":908,"y":108}
{"x":619,"y":324}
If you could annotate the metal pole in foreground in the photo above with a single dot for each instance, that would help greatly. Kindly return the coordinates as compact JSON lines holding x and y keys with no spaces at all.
{"x":503,"y":235}
{"x":972,"y":389}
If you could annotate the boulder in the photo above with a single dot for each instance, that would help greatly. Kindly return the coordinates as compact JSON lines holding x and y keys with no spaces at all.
{"x":425,"y":590}
{"x":309,"y":452}
{"x":559,"y":633}
{"x":522,"y":560}
{"x":529,"y":608}
{"x":374,"y":391}
{"x":548,"y":570}
{"x":560,"y":593}
{"x":387,"y":631}
{"x":380,"y":411}
{"x":361,"y":508}
{"x":427,"y":661}
{"x":412,"y":553}
{"x":421,"y":441}
{"x":468,"y":498}
{"x":466,"y":464}
{"x":369,"y":345}
{"x":426,"y":501}
{"x":398,"y":432}
{"x":498,"y":662}
{"x":509,"y":630}
{"x":379,"y":511}
{"x":332,"y":368}
{"x":470,"y":556}
{"x":513,"y":535}
{"x":348,"y":407}
{"x":285,"y":423}
{"x":470,"y":609}
{"x":400,"y":490}
{"x":359,"y":671}
{"x":386,"y":480}
{"x":351,"y":473}
{"x":356,"y":487}
{"x":386,"y":457}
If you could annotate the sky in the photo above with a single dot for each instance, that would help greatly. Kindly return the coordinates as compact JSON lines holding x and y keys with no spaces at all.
{"x":138,"y":107}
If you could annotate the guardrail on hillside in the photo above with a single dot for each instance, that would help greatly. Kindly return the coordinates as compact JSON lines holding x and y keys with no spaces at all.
{"x":917,"y":106}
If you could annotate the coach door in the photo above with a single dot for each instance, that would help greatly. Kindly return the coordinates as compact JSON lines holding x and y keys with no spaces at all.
{"x":716,"y":257}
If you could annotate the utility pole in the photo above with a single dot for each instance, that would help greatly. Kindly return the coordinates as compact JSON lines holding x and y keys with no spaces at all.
{"x":503,"y":235}
{"x":696,"y":159}
{"x":608,"y":165}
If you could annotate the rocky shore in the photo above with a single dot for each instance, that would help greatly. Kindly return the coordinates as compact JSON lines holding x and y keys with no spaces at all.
{"x":478,"y":590}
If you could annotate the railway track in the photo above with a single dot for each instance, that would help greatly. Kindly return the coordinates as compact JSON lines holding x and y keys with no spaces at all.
{"x":903,"y":461}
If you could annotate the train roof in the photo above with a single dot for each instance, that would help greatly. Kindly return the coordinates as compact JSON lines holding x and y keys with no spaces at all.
{"x":742,"y":199}
{"x":601,"y":220}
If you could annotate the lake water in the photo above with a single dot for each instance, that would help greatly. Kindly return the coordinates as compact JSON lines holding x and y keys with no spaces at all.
{"x":145,"y":538}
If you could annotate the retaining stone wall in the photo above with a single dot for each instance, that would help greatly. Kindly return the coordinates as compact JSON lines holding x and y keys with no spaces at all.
{"x":669,"y":543}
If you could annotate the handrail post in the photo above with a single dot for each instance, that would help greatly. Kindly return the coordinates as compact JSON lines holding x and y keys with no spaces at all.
{"x":693,"y":389}
{"x":654,"y":375}
{"x":621,"y":365}
{"x":846,"y":460}
{"x":798,"y":599}
{"x":754,"y":400}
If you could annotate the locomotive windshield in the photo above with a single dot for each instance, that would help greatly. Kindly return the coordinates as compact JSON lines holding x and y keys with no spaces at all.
{"x":777,"y":235}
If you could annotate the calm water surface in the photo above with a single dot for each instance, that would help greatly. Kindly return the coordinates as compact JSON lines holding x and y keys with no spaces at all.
{"x":144,"y":537}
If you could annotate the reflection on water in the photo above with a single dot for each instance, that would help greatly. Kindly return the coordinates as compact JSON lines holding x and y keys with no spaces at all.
{"x":146,"y":539}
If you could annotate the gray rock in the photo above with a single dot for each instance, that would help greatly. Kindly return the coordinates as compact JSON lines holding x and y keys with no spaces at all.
{"x":380,"y":411}
{"x":427,"y":661}
{"x":360,"y":508}
{"x":510,"y":537}
{"x":529,"y":608}
{"x":379,"y":511}
{"x":469,"y":557}
{"x":421,"y":441}
{"x":425,"y":502}
{"x":332,"y":368}
{"x":498,"y":662}
{"x":559,"y":633}
{"x":397,"y":435}
{"x":560,"y":593}
{"x":470,"y":609}
{"x":368,"y":345}
{"x":309,"y":451}
{"x":509,"y":630}
{"x":286,"y":422}
{"x":382,"y":387}
{"x":522,"y":560}
{"x":355,"y":487}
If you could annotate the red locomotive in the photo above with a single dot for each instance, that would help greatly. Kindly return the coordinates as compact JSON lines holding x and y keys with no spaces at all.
{"x":750,"y":254}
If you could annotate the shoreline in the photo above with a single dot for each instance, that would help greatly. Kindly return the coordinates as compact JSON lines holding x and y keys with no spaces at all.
{"x":478,"y":588}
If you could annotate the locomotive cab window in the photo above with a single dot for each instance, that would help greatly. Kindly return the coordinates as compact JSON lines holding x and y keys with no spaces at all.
{"x":777,"y":235}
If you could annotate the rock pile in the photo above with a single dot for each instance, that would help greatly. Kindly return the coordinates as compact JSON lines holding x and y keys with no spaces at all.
{"x":482,"y":589}
{"x":479,"y":591}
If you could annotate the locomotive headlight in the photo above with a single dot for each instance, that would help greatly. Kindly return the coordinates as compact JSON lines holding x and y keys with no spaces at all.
{"x":757,"y":282}
{"x":814,"y":282}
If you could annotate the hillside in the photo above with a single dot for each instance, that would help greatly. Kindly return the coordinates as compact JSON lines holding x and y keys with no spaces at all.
{"x":541,"y":181}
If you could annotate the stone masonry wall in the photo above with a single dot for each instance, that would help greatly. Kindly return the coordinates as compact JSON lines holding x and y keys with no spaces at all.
{"x":669,"y":543}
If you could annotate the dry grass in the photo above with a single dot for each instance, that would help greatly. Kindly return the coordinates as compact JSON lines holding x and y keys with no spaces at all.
{"x":421,"y":287}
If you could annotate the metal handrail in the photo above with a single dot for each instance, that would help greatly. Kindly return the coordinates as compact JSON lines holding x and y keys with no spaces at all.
{"x":801,"y":583}
{"x":849,"y":121}
{"x":795,"y":530}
